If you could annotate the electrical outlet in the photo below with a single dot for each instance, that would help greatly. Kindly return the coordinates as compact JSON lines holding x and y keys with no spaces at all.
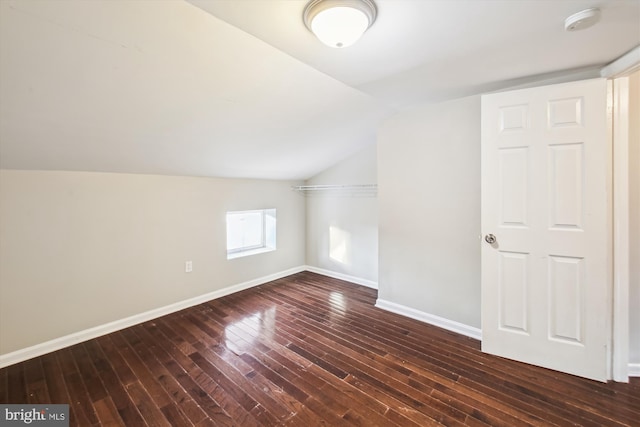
{"x":188,"y":266}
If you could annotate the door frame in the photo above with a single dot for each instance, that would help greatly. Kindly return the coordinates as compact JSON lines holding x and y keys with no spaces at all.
{"x":618,"y":117}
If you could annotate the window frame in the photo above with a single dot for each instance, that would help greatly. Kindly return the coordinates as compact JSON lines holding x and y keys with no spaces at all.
{"x":265,"y":245}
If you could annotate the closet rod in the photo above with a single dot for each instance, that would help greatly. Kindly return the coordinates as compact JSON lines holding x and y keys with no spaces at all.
{"x":321,"y":187}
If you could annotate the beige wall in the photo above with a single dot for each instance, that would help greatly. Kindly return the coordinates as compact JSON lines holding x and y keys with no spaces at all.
{"x":634,"y":216}
{"x":78,"y":250}
{"x":342,"y":226}
{"x":429,"y":200}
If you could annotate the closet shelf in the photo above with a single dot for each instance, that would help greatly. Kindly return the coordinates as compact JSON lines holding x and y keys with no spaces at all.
{"x":369,"y":188}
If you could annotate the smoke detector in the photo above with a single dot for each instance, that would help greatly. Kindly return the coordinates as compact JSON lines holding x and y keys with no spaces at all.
{"x":581,"y":20}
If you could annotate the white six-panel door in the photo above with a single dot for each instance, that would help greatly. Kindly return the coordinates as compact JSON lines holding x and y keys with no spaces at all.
{"x":545,"y":202}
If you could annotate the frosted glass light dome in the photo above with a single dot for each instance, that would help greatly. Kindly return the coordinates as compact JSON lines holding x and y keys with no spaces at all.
{"x":339,"y":23}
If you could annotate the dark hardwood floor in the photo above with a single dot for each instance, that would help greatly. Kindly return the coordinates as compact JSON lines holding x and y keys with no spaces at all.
{"x":305,"y":350}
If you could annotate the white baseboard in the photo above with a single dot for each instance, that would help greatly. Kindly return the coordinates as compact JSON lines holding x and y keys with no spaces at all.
{"x":634,"y":369}
{"x":441,"y":322}
{"x":341,"y":276}
{"x":87,"y":334}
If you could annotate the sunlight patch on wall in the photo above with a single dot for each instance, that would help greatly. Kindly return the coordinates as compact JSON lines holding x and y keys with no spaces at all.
{"x":339,"y":242}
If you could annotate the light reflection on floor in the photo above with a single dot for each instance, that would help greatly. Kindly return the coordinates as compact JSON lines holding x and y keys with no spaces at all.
{"x":337,"y":301}
{"x":241,"y":335}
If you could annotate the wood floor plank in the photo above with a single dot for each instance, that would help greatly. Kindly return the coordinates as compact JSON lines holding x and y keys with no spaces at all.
{"x":56,"y":385}
{"x":374,"y":336}
{"x":536,"y":383}
{"x":108,"y":414}
{"x":235,"y":401}
{"x":342,"y":343}
{"x":88,"y":373}
{"x":151,"y":414}
{"x":390,"y":385}
{"x":4,"y":385}
{"x":145,"y":351}
{"x":159,"y":363}
{"x":17,"y":387}
{"x":36,"y":384}
{"x":173,"y":357}
{"x":233,"y":381}
{"x":117,"y":389}
{"x":306,"y":350}
{"x":78,"y":394}
{"x":118,"y":364}
{"x":319,"y":384}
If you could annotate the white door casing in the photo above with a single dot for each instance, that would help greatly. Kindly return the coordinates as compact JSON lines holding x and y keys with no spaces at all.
{"x":546,"y":197}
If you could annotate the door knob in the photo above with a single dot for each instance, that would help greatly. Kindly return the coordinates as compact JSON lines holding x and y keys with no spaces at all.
{"x":490,"y":238}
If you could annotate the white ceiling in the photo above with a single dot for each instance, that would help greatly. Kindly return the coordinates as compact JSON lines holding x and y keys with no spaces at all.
{"x":165,"y":87}
{"x":429,"y":50}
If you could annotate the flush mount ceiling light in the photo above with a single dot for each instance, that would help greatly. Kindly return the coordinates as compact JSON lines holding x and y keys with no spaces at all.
{"x":339,"y":23}
{"x":581,"y":20}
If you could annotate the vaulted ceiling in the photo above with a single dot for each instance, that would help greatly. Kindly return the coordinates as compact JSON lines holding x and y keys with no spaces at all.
{"x":242,"y":89}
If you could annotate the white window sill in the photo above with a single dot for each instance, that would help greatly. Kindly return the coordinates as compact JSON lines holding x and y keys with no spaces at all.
{"x":249,"y":252}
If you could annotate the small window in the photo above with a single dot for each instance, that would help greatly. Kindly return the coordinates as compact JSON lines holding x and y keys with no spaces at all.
{"x":250,"y":232}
